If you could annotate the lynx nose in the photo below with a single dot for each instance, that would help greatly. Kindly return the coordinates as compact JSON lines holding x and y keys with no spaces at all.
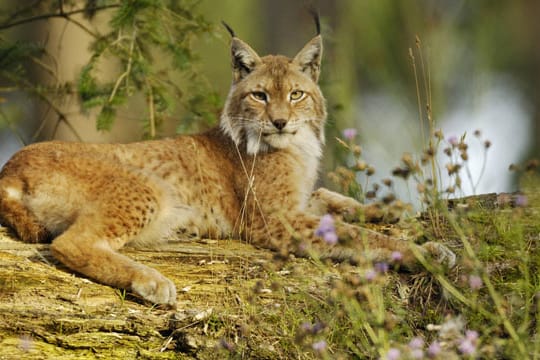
{"x":279,"y":123}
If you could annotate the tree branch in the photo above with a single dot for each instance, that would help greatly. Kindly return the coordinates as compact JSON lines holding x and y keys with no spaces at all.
{"x":61,"y":14}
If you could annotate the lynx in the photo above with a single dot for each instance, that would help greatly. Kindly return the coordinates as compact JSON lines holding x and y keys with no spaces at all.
{"x":251,"y":178}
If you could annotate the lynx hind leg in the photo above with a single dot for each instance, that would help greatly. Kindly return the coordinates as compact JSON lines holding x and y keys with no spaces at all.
{"x":15,"y":215}
{"x":126,"y":210}
{"x":324,"y":201}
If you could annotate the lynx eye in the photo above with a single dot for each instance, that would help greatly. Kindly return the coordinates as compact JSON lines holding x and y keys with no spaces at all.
{"x":259,"y":96}
{"x":296,"y":95}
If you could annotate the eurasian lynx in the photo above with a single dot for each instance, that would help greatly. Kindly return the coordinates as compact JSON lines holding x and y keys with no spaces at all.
{"x":252,"y":177}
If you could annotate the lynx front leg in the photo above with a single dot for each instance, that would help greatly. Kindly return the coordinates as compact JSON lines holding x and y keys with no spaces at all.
{"x":297,"y":234}
{"x":378,"y":247}
{"x":324,"y":201}
{"x":92,"y":253}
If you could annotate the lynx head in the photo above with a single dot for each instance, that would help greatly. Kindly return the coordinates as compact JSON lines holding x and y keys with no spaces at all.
{"x":274,"y":101}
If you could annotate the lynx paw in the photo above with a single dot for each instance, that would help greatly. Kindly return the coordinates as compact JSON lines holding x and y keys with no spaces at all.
{"x":154,"y":287}
{"x":440,"y":253}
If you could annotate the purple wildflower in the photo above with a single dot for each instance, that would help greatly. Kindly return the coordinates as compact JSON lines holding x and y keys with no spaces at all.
{"x":370,"y":275}
{"x":434,"y":349}
{"x":226,"y":344}
{"x":396,"y":256}
{"x":318,"y":326}
{"x":521,"y":201}
{"x":319,"y":346}
{"x":349,"y":133}
{"x":417,"y":354}
{"x":326,"y":230}
{"x":475,"y":282}
{"x":330,"y":238}
{"x":471,"y":335}
{"x":416,"y":343}
{"x":393,"y":354}
{"x":453,"y":140}
{"x":381,"y":267}
{"x":312,"y":328}
{"x":325,"y":225}
{"x":467,"y":345}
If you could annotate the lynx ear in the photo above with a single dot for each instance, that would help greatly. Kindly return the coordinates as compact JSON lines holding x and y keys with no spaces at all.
{"x":244,"y":59}
{"x":309,"y":58}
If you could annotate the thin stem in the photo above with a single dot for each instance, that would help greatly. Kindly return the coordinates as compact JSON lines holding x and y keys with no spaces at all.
{"x":470,"y":178}
{"x":45,"y":67}
{"x":81,"y":26}
{"x":61,"y":116}
{"x":128,"y":67}
{"x":418,"y":97}
{"x":484,"y":161}
{"x":429,"y":110}
{"x":41,"y":125}
{"x":426,"y":87}
{"x":152,"y":112}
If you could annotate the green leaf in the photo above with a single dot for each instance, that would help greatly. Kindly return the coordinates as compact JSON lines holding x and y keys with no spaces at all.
{"x":87,"y":85}
{"x":105,"y":118}
{"x":129,"y":9}
{"x":13,"y":55}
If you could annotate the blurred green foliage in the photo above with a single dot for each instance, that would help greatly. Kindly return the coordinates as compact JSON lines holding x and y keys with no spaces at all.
{"x":151,"y":43}
{"x":142,"y":31}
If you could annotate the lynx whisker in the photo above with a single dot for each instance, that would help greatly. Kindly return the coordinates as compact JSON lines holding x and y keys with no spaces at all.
{"x":250,"y":189}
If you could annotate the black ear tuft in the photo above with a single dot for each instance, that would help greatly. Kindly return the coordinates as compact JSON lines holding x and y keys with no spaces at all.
{"x":229,"y":29}
{"x":315,"y":13}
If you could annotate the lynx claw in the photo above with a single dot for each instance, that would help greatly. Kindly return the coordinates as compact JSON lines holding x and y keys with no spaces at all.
{"x":440,"y":253}
{"x":154,"y":287}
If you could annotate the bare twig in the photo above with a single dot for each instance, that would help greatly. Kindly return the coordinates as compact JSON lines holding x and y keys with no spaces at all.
{"x":62,"y":117}
{"x":151,"y":111}
{"x":81,"y":26}
{"x":12,"y":128}
{"x":126,"y":73}
{"x":61,"y":14}
{"x":41,"y":125}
